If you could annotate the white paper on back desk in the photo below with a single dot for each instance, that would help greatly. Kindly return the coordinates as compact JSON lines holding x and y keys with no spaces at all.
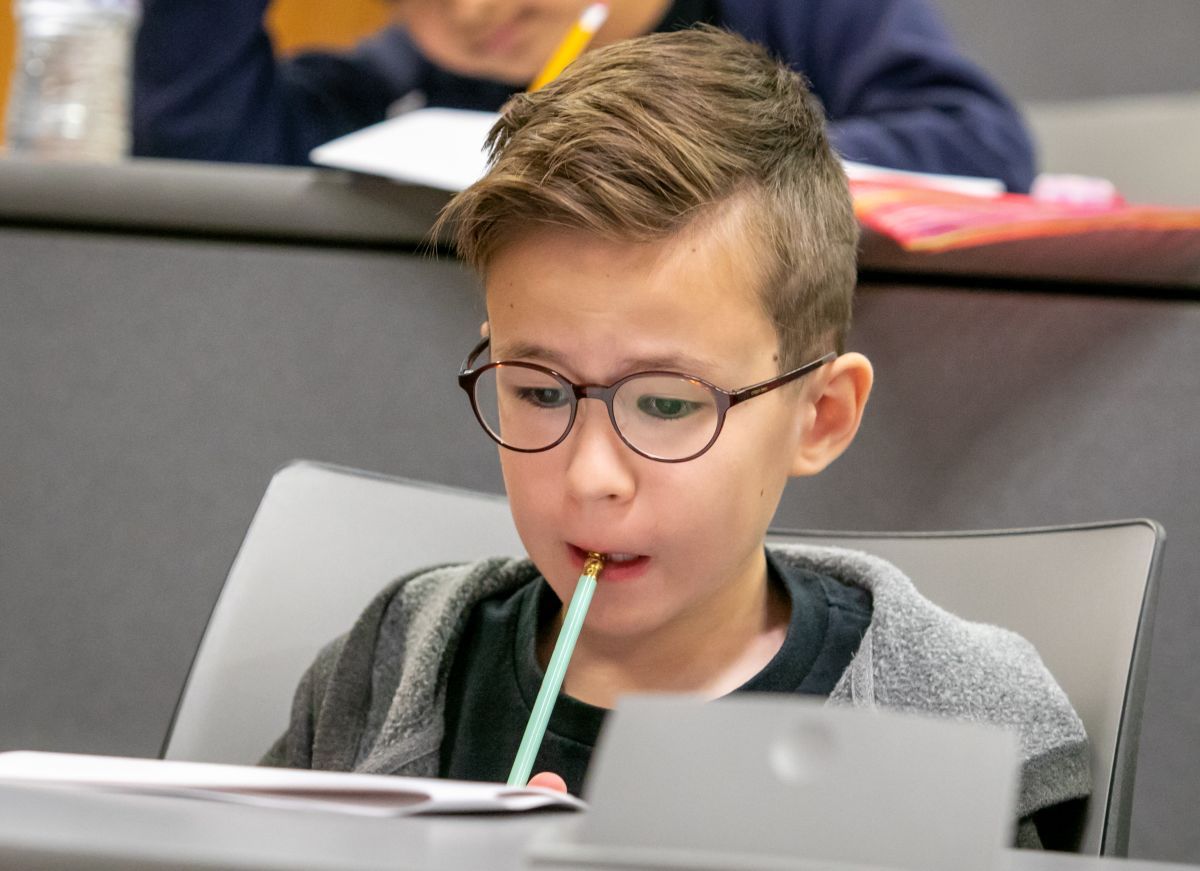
{"x":444,"y":149}
{"x":362,"y":794}
{"x":438,"y":148}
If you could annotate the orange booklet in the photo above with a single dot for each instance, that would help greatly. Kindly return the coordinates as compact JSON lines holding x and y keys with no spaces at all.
{"x":926,"y":219}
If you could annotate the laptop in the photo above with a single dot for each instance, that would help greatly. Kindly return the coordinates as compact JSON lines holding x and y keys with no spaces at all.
{"x":772,"y":782}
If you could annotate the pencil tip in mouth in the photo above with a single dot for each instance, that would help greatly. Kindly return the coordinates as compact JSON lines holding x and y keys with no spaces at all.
{"x":594,"y":563}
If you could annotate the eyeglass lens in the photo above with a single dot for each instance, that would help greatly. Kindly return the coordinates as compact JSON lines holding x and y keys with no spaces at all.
{"x":663,"y":416}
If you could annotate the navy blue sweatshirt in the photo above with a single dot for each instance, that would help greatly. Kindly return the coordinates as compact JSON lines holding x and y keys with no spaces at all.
{"x":207,"y":84}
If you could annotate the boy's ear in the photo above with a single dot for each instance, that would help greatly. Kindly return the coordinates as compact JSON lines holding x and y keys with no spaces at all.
{"x":833,"y":403}
{"x":484,"y":330}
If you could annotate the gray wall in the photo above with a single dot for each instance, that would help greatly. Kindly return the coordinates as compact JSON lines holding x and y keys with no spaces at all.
{"x":150,"y":389}
{"x":1082,"y":49}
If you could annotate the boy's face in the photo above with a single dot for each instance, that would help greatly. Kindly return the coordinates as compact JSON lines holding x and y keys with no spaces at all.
{"x":510,"y":40}
{"x":595,"y":311}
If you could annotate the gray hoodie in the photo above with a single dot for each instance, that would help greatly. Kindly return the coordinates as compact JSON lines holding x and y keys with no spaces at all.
{"x":374,"y":699}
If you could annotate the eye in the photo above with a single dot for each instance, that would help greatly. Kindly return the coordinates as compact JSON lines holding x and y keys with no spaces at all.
{"x":666,"y":407}
{"x":542,"y":397}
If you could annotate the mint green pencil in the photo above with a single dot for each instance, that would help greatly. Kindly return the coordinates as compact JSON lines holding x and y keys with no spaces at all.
{"x":547,"y":695}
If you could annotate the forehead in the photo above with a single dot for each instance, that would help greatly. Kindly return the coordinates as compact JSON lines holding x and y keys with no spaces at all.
{"x":691,"y":296}
{"x":714,"y":253}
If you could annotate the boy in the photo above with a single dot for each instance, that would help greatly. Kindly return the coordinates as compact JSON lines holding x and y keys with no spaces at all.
{"x":669,"y":205}
{"x":896,"y":89}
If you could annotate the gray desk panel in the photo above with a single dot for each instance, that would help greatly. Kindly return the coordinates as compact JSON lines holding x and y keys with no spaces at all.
{"x":319,"y":206}
{"x":49,"y":830}
{"x":151,"y":387}
{"x":181,"y":197}
{"x":55,"y":830}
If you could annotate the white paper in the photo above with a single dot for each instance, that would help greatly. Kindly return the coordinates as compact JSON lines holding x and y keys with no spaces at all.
{"x":961,"y":184}
{"x":444,"y":148}
{"x":438,"y":148}
{"x":362,"y":794}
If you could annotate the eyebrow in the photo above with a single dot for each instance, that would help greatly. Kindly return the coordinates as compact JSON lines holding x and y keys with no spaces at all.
{"x":686,"y":364}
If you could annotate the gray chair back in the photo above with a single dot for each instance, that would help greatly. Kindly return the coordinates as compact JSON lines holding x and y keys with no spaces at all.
{"x":323,"y":542}
{"x":325,"y":539}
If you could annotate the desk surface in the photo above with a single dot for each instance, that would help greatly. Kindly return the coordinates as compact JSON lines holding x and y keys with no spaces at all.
{"x":163,"y":197}
{"x":47,"y":828}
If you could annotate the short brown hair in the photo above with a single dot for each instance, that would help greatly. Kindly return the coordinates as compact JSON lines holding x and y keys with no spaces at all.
{"x":637,"y":140}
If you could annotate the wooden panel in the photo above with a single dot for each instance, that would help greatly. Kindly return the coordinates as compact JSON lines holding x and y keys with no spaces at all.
{"x":7,"y":44}
{"x":294,"y":24}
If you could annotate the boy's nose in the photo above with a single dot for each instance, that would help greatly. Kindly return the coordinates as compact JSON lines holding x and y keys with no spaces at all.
{"x":600,"y":466}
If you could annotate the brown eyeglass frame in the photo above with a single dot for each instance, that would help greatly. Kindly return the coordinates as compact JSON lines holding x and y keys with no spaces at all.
{"x":725,"y":399}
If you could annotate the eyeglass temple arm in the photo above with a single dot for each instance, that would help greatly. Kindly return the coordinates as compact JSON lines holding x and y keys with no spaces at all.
{"x":779,"y":380}
{"x":474,"y":352}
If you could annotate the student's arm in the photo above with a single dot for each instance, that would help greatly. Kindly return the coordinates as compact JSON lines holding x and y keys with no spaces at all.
{"x":207,"y":85}
{"x":896,"y":89}
{"x":294,"y":748}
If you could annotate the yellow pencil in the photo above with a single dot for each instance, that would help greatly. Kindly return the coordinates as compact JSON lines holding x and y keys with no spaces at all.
{"x":573,"y":44}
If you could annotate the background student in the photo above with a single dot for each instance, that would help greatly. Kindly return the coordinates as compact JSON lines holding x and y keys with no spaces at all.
{"x":895,"y":89}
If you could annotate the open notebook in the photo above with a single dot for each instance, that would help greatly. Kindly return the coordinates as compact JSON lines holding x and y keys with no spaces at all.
{"x":361,"y":794}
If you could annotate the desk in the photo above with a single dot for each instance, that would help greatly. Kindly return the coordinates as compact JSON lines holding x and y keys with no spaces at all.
{"x":170,"y":334}
{"x":49,"y":829}
{"x":46,"y":828}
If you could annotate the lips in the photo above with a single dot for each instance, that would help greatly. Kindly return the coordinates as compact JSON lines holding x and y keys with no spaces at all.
{"x":618,"y":565}
{"x":504,"y":38}
{"x":499,"y":40}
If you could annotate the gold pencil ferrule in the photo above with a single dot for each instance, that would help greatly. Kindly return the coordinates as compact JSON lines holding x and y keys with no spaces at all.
{"x":593,"y":564}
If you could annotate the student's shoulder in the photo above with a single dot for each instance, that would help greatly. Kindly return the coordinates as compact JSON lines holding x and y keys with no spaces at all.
{"x":918,"y":657}
{"x":933,"y":662}
{"x":777,"y":23}
{"x":431,"y":593}
{"x":922,"y":657}
{"x":452,"y":586}
{"x":419,"y":606}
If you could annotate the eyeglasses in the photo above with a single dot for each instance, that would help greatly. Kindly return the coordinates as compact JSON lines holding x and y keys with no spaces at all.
{"x":664,"y":416}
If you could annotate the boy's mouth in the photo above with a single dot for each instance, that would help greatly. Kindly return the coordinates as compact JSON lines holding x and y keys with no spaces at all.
{"x":618,"y":566}
{"x":504,"y":38}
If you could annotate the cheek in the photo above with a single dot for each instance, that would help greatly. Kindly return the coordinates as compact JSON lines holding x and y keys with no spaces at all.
{"x":528,"y":482}
{"x":748,"y":471}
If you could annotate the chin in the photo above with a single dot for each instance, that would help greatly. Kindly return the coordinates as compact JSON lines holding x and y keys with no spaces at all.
{"x":497,"y":69}
{"x":509,"y":77}
{"x":616,"y":624}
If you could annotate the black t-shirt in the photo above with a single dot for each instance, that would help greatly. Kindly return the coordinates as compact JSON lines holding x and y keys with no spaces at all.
{"x":495,"y":676}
